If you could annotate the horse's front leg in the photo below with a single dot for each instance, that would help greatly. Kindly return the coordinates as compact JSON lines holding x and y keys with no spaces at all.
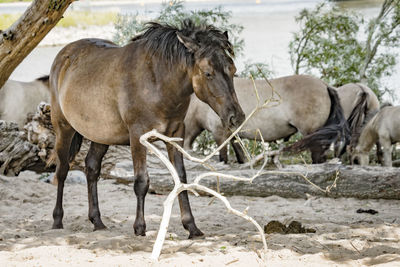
{"x":176,"y":159}
{"x":92,"y":170}
{"x":141,"y":185}
{"x":387,"y":151}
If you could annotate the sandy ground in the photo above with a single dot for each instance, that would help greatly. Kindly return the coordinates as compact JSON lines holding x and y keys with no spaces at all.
{"x":342,"y":238}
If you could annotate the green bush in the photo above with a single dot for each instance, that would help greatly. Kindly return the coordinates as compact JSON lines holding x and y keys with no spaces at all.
{"x":257,"y":70}
{"x":173,"y":13}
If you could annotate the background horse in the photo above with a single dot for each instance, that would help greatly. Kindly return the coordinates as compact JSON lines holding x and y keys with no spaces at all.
{"x":17,"y":99}
{"x":383,"y":127}
{"x":359,"y":105}
{"x":112,"y":95}
{"x":307,"y":105}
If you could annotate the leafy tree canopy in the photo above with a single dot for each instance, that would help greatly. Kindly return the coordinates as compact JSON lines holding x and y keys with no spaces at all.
{"x":342,"y":47}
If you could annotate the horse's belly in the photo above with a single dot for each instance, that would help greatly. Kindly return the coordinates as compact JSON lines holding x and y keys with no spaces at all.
{"x":271,"y":126}
{"x":102,"y":125}
{"x":104,"y":135}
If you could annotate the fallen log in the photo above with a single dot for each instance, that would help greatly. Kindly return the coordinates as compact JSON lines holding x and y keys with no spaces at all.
{"x":353,"y":181}
{"x":16,"y":153}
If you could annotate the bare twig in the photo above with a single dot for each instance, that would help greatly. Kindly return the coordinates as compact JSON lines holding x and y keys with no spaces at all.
{"x":179,"y":187}
{"x":196,"y":186}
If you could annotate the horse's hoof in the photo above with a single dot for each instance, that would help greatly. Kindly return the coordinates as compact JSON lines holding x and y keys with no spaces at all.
{"x":57,"y":226}
{"x":196,"y":234}
{"x":140,"y":230}
{"x":99,"y":227}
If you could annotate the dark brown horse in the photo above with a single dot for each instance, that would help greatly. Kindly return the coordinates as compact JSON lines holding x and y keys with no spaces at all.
{"x":112,"y":95}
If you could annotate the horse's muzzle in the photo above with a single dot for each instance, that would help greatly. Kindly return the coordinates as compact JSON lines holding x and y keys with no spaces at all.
{"x":235,"y":119}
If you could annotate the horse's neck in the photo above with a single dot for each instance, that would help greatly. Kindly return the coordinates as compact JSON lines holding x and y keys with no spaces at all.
{"x":176,"y":82}
{"x":368,"y":138}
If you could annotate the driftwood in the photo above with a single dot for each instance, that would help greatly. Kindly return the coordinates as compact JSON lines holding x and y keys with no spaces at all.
{"x":16,"y":153}
{"x":353,"y":181}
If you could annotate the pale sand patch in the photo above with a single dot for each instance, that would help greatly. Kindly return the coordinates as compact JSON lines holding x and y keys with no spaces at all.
{"x":343,"y":237}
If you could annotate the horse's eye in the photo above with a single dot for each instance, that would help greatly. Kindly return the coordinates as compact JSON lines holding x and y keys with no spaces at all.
{"x":208,"y":75}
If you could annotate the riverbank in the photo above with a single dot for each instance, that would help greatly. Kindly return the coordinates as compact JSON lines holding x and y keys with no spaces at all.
{"x":343,"y":237}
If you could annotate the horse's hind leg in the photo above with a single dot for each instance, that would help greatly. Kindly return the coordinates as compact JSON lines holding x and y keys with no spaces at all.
{"x":177,"y":160}
{"x":379,"y":153}
{"x":318,"y":155}
{"x":64,"y":134}
{"x":387,"y":151}
{"x":92,"y":169}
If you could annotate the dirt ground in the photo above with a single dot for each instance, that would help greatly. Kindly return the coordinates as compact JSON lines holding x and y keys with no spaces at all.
{"x":343,"y":237}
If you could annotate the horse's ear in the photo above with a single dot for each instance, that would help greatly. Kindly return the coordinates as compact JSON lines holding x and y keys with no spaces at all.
{"x":188,"y":42}
{"x":226,"y":34}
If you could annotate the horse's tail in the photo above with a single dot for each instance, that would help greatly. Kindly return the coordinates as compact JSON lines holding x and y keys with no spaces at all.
{"x":73,"y":150}
{"x":335,"y":129}
{"x":75,"y":146}
{"x":357,"y":118}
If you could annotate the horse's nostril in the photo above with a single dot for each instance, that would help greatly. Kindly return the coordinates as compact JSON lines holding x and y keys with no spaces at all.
{"x":232,"y":121}
{"x":235,"y":120}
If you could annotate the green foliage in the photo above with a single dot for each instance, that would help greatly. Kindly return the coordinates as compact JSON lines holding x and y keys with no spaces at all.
{"x":254,"y":147}
{"x":329,"y":45}
{"x":257,"y":70}
{"x":204,"y":143}
{"x":173,"y":12}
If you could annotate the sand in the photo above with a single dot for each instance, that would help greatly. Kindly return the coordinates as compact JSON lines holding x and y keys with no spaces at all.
{"x":343,"y":237}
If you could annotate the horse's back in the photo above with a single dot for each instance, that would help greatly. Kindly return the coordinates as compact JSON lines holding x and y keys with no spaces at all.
{"x":387,"y":123}
{"x":85,"y":81}
{"x":303,"y":105}
{"x":17,"y":99}
{"x":348,"y":95}
{"x":307,"y":101}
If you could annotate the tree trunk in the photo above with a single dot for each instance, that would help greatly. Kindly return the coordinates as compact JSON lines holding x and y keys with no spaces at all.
{"x":25,"y":34}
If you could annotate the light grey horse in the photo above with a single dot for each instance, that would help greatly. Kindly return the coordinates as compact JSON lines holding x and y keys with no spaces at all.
{"x":307,"y":105}
{"x":359,"y":105}
{"x":383,"y":127}
{"x":17,"y":99}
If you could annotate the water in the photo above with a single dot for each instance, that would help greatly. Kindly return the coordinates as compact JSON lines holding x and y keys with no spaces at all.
{"x":268,"y":28}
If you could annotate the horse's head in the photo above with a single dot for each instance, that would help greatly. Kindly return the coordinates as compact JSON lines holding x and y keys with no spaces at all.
{"x":212,"y":72}
{"x":358,"y":157}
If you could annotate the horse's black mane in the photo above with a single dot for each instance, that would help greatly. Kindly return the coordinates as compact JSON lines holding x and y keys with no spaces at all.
{"x":44,"y":78}
{"x":162,"y":39}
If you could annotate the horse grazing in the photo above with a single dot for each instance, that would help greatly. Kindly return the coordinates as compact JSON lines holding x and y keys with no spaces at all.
{"x":307,"y":105}
{"x":112,"y":95}
{"x":17,"y":99}
{"x":359,"y":105}
{"x":383,"y":127}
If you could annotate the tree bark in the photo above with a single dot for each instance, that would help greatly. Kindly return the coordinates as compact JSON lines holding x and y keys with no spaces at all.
{"x":24,"y":35}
